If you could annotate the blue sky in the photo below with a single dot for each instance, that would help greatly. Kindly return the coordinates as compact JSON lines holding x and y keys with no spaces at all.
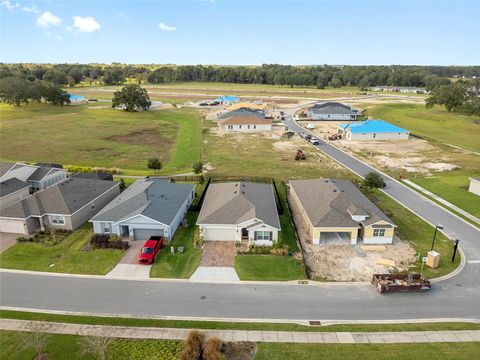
{"x":241,"y":32}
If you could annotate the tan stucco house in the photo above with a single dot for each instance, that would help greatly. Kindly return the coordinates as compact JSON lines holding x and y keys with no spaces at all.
{"x":66,"y":205}
{"x":334,"y":210}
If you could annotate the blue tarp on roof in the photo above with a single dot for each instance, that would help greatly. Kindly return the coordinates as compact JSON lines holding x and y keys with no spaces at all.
{"x":372,"y":126}
{"x":228,"y":98}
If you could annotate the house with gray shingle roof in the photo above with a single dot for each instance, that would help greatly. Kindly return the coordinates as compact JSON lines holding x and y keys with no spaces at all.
{"x":337,"y":210}
{"x":148,"y":207}
{"x":66,"y":205}
{"x":39,"y":177}
{"x":331,"y":111}
{"x":13,"y":190}
{"x":234,"y":211}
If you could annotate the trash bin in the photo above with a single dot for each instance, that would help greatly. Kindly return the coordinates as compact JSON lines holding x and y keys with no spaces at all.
{"x":433,"y":259}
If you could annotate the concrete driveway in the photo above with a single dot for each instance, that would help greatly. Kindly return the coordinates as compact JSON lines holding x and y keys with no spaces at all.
{"x":217,"y":263}
{"x":128,"y":266}
{"x":7,"y":240}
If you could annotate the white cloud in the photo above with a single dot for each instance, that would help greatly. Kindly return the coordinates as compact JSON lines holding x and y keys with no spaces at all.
{"x":31,"y":9}
{"x":47,"y":19}
{"x":10,"y":6}
{"x":85,"y":24}
{"x":165,"y":27}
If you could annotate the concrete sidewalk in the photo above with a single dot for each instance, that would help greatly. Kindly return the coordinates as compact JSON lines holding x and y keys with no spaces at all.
{"x":244,"y":335}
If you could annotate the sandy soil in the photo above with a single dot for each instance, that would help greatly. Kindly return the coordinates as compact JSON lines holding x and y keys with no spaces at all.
{"x":415,"y":154}
{"x":344,"y":262}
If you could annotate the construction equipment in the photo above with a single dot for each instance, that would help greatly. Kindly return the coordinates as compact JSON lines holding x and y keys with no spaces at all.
{"x":288,"y":134}
{"x":300,"y":155}
{"x":400,"y":282}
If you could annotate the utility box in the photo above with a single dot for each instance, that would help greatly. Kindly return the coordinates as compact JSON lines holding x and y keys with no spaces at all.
{"x":433,"y":259}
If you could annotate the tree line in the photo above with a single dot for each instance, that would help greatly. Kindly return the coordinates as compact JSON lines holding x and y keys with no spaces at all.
{"x":319,"y":76}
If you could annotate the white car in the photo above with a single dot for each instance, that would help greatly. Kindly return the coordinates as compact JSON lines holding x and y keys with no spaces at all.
{"x":310,"y":126}
{"x":315,"y":141}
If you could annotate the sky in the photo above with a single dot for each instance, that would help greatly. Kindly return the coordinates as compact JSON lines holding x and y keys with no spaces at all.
{"x":241,"y":32}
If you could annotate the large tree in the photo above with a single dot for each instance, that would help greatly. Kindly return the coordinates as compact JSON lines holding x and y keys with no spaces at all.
{"x":132,"y":97}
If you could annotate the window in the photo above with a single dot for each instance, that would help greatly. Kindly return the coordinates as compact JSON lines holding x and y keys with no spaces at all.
{"x":57,"y":220}
{"x":230,"y":127}
{"x":254,"y":126}
{"x":263,"y":235}
{"x":379,"y":232}
{"x":239,"y":126}
{"x":105,"y":227}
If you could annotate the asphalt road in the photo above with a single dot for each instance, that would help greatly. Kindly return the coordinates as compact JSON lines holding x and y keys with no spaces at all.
{"x":458,"y":297}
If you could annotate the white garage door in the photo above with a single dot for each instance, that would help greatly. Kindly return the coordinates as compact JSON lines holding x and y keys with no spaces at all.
{"x":220,"y":234}
{"x":12,"y":226}
{"x":145,"y":234}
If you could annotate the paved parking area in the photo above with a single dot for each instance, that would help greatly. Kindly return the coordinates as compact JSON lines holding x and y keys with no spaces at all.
{"x":218,"y":253}
{"x":128,"y":266}
{"x":7,"y":240}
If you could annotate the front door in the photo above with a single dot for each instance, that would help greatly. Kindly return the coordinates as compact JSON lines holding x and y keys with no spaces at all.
{"x":125,"y":230}
{"x":244,"y":233}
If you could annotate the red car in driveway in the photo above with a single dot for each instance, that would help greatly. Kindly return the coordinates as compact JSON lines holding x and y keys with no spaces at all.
{"x":150,"y":250}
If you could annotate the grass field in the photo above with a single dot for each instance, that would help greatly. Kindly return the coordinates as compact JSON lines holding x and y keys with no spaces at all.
{"x":434,"y":124}
{"x":453,"y":189}
{"x":68,"y":256}
{"x":444,"y":351}
{"x":269,"y":268}
{"x":221,"y":325}
{"x":96,"y":136}
{"x":180,"y":266}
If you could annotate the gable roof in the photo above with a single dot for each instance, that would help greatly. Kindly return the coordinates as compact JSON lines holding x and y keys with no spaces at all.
{"x":372,"y":126}
{"x":63,"y":198}
{"x":331,"y":107}
{"x":332,"y":203}
{"x":43,"y":171}
{"x":157,"y":199}
{"x":236,"y":202}
{"x":37,"y":172}
{"x":242,"y":112}
{"x":244,"y":120}
{"x":11,"y":185}
{"x":5,"y":167}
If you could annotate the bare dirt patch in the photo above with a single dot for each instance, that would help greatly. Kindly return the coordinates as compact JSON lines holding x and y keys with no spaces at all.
{"x":144,"y":136}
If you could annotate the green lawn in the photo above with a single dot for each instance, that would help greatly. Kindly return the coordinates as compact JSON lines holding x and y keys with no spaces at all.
{"x":67,"y":256}
{"x":431,"y":351}
{"x":269,"y":268}
{"x":180,"y":266}
{"x":58,"y":346}
{"x":287,"y":235}
{"x":434,"y":124}
{"x":220,"y":325}
{"x":95,"y":135}
{"x":420,"y":234}
{"x":453,"y":189}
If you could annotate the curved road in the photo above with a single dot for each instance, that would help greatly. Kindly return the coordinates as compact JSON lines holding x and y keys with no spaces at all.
{"x":458,"y":297}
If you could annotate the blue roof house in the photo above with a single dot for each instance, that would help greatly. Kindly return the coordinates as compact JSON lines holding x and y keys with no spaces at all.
{"x":227,"y":99}
{"x":372,"y":130}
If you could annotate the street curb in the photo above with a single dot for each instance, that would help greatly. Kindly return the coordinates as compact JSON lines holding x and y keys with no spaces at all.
{"x":304,"y":322}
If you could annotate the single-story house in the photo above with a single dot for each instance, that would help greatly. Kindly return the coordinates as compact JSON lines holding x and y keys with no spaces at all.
{"x":234,"y":211}
{"x":39,"y":177}
{"x":245,"y":124}
{"x":336,"y":209}
{"x":402,"y":89}
{"x":148,"y":207}
{"x":474,"y":186}
{"x":65,"y":205}
{"x":248,"y":105}
{"x":93,"y":175}
{"x":331,"y":111}
{"x":242,"y":112}
{"x":227,"y":100}
{"x":372,"y":130}
{"x":13,"y":190}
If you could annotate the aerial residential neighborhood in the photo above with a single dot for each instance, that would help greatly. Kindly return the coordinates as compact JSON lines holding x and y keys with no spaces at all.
{"x":220,"y":180}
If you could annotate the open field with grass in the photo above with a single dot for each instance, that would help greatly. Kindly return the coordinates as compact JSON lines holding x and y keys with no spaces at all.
{"x":98,"y":136}
{"x":69,"y":256}
{"x":180,"y":266}
{"x":222,"y":325}
{"x":444,"y":351}
{"x":434,"y":124}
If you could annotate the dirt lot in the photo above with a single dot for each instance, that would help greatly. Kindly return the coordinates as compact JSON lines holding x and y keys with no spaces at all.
{"x":415,"y":156}
{"x":344,"y":262}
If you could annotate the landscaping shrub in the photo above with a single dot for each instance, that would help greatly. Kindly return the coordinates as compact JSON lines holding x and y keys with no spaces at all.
{"x":276,"y":249}
{"x":211,"y":349}
{"x":197,"y":167}
{"x":103,"y":241}
{"x":192,"y":347}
